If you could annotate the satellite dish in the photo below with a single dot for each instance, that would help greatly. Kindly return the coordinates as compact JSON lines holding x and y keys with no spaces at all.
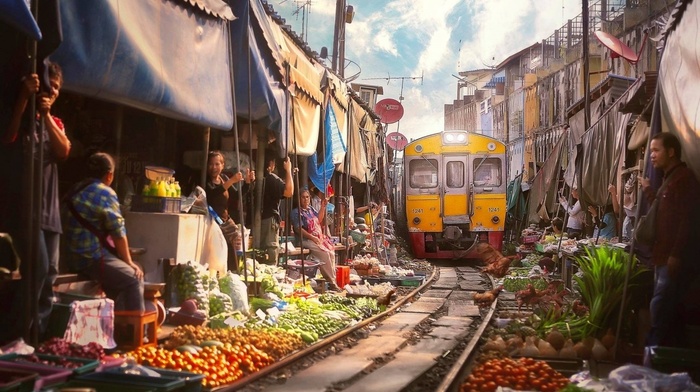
{"x":618,"y":48}
{"x":389,"y":110}
{"x":396,"y":140}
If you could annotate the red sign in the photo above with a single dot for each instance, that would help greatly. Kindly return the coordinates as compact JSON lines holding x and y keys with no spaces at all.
{"x":389,"y":110}
{"x":396,"y":140}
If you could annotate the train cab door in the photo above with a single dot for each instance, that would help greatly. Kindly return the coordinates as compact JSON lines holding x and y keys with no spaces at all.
{"x":454,"y":188}
{"x":423,"y":192}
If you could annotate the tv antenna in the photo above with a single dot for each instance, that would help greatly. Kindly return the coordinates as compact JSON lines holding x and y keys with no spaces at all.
{"x":303,"y":8}
{"x":389,"y":78}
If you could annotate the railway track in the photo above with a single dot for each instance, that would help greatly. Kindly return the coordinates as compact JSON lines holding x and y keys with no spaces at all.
{"x":422,"y":342}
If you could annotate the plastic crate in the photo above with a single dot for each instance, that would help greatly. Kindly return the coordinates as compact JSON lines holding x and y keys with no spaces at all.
{"x":101,"y":387}
{"x":17,"y":380}
{"x":141,"y":203}
{"x":127,"y":381}
{"x":566,"y":366}
{"x":48,"y":375}
{"x":87,"y":365}
{"x":412,"y":281}
{"x":193,"y":381}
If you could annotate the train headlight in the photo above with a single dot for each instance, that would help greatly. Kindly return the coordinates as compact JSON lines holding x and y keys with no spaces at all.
{"x":416,"y":220}
{"x":454,"y":137}
{"x":495,"y":220}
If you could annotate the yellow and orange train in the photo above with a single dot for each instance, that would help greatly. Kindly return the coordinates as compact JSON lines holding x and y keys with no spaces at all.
{"x":454,"y":190}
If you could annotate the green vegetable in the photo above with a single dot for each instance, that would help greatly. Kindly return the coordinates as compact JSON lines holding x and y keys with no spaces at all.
{"x":260,"y":303}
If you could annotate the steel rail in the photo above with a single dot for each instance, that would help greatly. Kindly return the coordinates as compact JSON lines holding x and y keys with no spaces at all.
{"x":288,"y":360}
{"x":453,"y":375}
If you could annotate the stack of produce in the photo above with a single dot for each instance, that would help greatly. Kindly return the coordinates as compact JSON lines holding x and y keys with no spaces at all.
{"x":189,"y":280}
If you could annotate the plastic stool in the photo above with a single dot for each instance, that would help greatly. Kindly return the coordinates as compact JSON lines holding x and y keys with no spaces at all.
{"x":137,"y":320}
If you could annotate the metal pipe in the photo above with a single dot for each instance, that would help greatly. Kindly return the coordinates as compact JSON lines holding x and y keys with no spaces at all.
{"x":32,"y":211}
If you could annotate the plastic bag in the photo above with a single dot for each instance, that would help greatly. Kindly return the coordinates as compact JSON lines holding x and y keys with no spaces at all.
{"x":232,"y":285}
{"x":214,"y":248}
{"x":91,"y":321}
{"x":131,"y":367}
{"x":219,"y":303}
{"x":635,"y":378}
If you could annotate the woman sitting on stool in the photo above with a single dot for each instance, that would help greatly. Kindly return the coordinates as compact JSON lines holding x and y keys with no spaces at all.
{"x":310,"y":233}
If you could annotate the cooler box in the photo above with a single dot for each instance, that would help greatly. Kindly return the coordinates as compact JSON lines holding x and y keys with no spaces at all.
{"x":342,"y":275}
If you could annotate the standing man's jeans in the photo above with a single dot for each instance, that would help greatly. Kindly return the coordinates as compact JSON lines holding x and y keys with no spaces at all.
{"x":47,"y":270}
{"x":664,"y":309}
{"x":269,"y":238}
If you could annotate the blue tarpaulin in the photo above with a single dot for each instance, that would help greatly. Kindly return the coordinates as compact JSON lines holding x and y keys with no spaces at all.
{"x":162,"y":56}
{"x":321,"y":175}
{"x":267,"y":94}
{"x":16,"y":13}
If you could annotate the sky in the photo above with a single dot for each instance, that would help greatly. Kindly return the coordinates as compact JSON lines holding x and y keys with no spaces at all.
{"x":426,"y":42}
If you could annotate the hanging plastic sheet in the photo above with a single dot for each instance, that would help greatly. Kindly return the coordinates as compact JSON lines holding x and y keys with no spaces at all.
{"x":543,"y":191}
{"x":359,"y":168}
{"x":321,"y":175}
{"x":679,"y":73}
{"x":157,"y":56}
{"x":266,"y":106}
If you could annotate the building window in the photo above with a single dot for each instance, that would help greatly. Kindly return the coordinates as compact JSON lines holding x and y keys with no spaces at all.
{"x":366,"y":96}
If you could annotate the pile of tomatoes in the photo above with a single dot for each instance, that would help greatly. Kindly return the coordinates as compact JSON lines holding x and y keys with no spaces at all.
{"x":219,"y":364}
{"x":524,"y":374}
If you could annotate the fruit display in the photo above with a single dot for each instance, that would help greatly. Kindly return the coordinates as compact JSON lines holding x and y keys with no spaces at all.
{"x":62,"y":362}
{"x":64,"y":348}
{"x":220,"y":364}
{"x":524,"y":374}
{"x":273,"y":341}
{"x":221,"y":355}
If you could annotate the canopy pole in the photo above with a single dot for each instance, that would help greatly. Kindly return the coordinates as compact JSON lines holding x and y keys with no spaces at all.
{"x":32,"y":210}
{"x":348,"y":178}
{"x":206,"y":135}
{"x":647,"y":156}
{"x":287,"y":201}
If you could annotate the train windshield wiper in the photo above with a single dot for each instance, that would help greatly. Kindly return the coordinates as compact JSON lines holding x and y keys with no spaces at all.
{"x":428,"y":160}
{"x":480,"y":163}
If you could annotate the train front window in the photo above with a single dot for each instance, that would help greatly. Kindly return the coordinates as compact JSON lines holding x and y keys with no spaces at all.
{"x":423,"y":173}
{"x":487,"y":172}
{"x":455,"y":174}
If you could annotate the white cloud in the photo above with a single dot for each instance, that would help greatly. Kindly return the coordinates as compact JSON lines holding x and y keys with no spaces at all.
{"x":399,"y":38}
